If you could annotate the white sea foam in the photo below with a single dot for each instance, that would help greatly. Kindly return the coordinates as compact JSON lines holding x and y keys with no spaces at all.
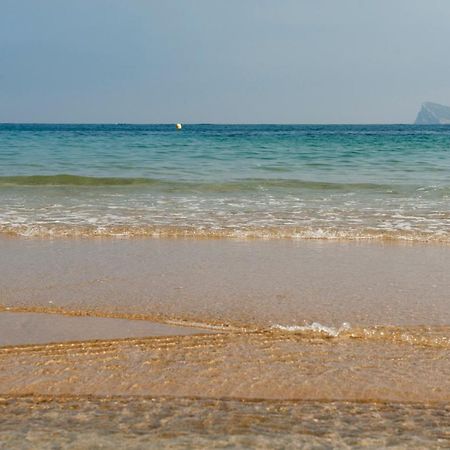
{"x":43,"y":212}
{"x":314,"y":327}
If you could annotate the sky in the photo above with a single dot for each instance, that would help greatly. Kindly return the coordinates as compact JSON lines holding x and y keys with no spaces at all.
{"x":233,"y":61}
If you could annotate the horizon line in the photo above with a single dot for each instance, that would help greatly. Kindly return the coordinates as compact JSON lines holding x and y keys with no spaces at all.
{"x":212,"y":123}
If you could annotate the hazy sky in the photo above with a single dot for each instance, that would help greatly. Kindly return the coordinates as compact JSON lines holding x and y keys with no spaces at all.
{"x":233,"y":61}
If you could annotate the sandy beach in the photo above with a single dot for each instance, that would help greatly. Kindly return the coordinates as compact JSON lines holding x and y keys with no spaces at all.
{"x":281,"y":342}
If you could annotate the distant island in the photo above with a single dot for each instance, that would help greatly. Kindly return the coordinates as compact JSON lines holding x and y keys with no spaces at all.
{"x":433,"y":114}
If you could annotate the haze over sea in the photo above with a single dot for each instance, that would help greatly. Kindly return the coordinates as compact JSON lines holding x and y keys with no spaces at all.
{"x":260,"y":181}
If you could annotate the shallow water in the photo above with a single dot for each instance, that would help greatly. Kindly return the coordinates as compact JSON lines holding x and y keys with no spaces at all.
{"x":355,"y":336}
{"x":135,"y":423}
{"x":33,"y":328}
{"x":251,"y":284}
{"x":233,"y":365}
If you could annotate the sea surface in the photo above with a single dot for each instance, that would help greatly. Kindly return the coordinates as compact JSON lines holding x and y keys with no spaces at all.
{"x":310,"y":264}
{"x":260,"y":181}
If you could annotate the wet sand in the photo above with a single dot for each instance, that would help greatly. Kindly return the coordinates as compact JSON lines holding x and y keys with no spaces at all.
{"x":271,"y":377}
{"x":34,"y":328}
{"x":242,"y":283}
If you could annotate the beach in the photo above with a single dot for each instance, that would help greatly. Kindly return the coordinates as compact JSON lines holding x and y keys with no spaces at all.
{"x":247,"y":286}
{"x":253,"y":339}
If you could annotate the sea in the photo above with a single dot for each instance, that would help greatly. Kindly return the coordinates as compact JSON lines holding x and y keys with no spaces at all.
{"x":315,"y":258}
{"x":355,"y":182}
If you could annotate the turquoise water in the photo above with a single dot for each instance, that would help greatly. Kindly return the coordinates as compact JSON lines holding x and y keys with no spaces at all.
{"x":262,"y":181}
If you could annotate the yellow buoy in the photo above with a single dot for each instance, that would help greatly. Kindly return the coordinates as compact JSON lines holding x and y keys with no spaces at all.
{"x":179,"y":126}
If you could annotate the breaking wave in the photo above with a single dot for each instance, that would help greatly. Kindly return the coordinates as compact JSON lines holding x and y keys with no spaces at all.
{"x":245,"y":184}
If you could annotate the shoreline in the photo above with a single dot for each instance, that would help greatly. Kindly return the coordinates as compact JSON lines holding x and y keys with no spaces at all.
{"x":261,"y":235}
